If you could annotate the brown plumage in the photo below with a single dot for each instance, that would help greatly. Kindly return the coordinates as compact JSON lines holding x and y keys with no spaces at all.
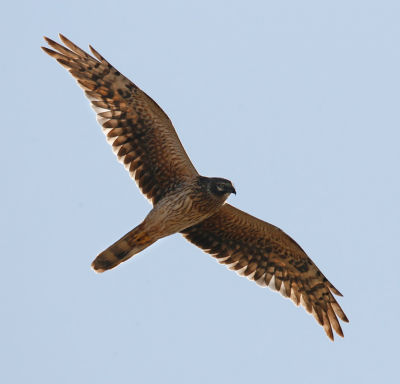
{"x":267,"y":255}
{"x":144,"y":140}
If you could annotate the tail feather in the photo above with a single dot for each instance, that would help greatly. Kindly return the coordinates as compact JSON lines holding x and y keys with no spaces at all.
{"x":123,"y":249}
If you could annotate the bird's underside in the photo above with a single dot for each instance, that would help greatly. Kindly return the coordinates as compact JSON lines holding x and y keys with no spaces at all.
{"x":145,"y":142}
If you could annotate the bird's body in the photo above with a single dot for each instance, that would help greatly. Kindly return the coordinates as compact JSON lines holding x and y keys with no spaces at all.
{"x":186,"y":205}
{"x":145,"y":142}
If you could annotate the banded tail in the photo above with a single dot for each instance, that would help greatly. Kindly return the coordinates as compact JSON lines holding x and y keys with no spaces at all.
{"x":123,"y":249}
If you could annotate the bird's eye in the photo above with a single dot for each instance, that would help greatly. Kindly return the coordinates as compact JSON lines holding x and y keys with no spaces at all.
{"x":220,"y":188}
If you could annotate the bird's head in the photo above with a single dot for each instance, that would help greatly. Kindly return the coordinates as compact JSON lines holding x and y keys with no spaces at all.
{"x":218,"y":187}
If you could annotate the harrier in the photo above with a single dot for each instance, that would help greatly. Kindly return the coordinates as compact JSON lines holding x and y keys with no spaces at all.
{"x":145,"y":141}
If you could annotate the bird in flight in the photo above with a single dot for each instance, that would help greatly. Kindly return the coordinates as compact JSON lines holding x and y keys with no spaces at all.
{"x":145,"y":142}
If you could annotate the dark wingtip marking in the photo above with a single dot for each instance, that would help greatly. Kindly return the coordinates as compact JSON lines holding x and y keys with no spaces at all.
{"x":97,"y":54}
{"x":50,"y":41}
{"x":49,"y":51}
{"x":340,"y":332}
{"x":62,"y":37}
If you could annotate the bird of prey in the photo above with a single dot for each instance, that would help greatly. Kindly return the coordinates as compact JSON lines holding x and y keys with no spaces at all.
{"x":145,"y":142}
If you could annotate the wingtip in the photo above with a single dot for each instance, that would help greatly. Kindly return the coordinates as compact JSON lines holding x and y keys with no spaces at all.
{"x":49,"y":51}
{"x":96,"y":54}
{"x":329,"y":333}
{"x":67,"y":42}
{"x":334,"y":290}
{"x":48,"y":41}
{"x":338,"y":331}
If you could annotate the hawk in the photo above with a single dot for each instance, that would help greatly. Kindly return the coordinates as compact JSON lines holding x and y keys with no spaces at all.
{"x":145,"y":142}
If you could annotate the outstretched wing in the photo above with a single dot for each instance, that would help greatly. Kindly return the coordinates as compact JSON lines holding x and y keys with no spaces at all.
{"x":141,"y":134}
{"x":265,"y":254}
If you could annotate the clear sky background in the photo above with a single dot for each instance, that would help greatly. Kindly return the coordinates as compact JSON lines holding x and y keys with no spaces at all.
{"x":297,"y":102}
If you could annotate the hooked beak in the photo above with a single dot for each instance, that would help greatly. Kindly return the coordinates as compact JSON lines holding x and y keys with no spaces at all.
{"x":233,"y":190}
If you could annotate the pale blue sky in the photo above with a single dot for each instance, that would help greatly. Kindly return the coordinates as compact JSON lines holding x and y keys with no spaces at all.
{"x":297,"y":102}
